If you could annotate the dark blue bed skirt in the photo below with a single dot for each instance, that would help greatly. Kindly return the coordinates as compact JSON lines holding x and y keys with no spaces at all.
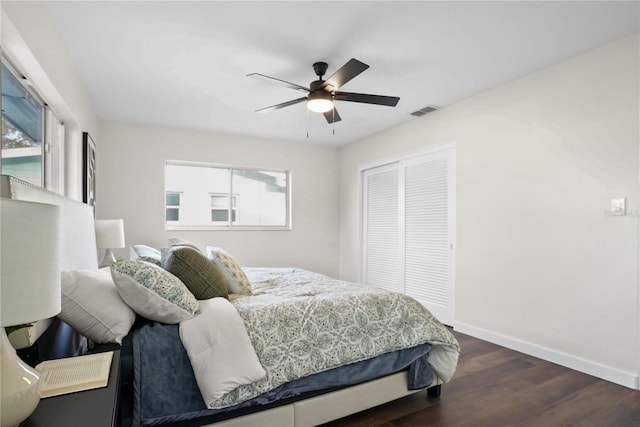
{"x":166,"y":393}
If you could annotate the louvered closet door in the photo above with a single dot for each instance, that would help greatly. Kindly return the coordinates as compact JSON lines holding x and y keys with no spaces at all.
{"x":428,"y":227}
{"x":380,"y":255}
{"x":409,"y":227}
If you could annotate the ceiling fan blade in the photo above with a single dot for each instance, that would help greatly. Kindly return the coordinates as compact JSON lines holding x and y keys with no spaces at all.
{"x":279,"y":106}
{"x":332,"y":115}
{"x":348,"y":71}
{"x":281,"y":82}
{"x":389,"y":101}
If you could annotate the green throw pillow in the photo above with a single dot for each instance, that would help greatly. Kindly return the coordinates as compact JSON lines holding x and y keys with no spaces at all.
{"x":203,"y":278}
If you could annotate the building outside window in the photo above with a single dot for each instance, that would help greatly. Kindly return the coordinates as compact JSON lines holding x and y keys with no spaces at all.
{"x":222,"y":197}
{"x":172,"y":207}
{"x":220,"y":208}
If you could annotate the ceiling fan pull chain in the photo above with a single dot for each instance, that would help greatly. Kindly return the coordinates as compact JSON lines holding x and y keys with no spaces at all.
{"x":307,"y":122}
{"x":333,"y":113}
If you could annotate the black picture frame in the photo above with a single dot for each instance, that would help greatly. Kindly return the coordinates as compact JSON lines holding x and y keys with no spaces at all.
{"x":88,"y":169}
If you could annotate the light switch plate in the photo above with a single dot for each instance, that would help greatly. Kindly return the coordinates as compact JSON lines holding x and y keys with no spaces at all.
{"x":618,"y":207}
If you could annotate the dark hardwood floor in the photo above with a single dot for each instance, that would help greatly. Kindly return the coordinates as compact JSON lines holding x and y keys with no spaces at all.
{"x":494,"y":386}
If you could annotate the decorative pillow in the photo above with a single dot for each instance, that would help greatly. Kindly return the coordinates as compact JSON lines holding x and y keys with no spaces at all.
{"x":147,"y":253}
{"x":203,"y":278}
{"x":92,"y":305}
{"x":153,"y":292}
{"x":235,"y":278}
{"x":177,"y":241}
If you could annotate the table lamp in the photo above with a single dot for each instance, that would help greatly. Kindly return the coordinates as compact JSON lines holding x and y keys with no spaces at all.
{"x":29,"y":291}
{"x":109,"y":235}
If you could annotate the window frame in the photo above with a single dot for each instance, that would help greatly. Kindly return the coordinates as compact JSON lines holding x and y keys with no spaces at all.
{"x":52,"y":164}
{"x":233,"y":208}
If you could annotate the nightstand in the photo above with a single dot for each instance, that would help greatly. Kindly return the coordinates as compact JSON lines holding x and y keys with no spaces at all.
{"x":95,"y":408}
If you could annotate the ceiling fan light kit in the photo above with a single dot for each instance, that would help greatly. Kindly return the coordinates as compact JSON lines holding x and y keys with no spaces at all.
{"x":320,"y":101}
{"x":323,"y":93}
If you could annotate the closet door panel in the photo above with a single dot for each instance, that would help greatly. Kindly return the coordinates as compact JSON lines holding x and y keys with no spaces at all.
{"x":381,"y":266}
{"x":427,"y":243}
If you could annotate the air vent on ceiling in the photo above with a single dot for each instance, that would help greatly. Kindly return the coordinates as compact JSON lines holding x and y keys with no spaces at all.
{"x":425,"y":110}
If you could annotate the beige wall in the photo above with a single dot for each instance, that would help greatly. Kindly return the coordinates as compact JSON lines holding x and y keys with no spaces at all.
{"x":538,"y":258}
{"x":130,"y":185}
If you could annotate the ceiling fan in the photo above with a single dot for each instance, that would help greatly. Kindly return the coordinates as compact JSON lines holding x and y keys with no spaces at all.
{"x":323,"y":93}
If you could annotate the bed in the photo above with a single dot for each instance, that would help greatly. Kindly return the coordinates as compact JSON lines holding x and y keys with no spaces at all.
{"x":288,"y":343}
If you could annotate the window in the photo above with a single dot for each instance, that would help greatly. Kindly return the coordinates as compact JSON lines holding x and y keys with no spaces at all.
{"x":220,"y":208}
{"x":172,"y":207}
{"x":54,"y":152}
{"x":221,"y":197}
{"x":32,"y":134}
{"x":22,"y":130}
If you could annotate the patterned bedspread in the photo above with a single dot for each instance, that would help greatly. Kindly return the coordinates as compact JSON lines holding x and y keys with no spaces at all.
{"x":301,"y":323}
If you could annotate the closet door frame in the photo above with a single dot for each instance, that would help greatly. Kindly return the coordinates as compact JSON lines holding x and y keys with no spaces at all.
{"x":401,"y":160}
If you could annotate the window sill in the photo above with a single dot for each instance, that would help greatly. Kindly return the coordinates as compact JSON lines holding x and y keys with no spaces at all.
{"x":168,"y":227}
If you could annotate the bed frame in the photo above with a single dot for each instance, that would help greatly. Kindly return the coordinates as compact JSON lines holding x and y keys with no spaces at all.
{"x":80,"y":253}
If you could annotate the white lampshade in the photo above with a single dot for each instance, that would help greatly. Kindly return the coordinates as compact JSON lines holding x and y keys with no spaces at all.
{"x":110,"y":233}
{"x":29,"y":261}
{"x":29,"y":291}
{"x":320,"y":101}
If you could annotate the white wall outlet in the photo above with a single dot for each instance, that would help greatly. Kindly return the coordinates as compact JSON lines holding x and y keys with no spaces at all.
{"x":618,"y":207}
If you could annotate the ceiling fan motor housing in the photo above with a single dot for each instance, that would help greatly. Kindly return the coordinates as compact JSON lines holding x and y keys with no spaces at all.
{"x":318,"y":85}
{"x":320,"y":68}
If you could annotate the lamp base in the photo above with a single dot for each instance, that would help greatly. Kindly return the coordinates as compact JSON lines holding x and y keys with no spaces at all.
{"x":19,"y":385}
{"x":108,"y":259}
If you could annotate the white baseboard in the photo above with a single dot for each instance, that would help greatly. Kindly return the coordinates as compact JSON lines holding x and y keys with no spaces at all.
{"x":627,"y":379}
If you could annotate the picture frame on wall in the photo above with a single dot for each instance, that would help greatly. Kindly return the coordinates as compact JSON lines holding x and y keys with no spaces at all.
{"x":88,"y":169}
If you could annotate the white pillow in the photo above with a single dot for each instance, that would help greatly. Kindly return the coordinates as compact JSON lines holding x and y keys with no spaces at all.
{"x":220,"y":350}
{"x":147,"y":253}
{"x":154,"y":292}
{"x":92,"y":305}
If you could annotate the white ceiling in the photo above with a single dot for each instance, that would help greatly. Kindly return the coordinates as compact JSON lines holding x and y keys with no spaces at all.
{"x":184,"y":64}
